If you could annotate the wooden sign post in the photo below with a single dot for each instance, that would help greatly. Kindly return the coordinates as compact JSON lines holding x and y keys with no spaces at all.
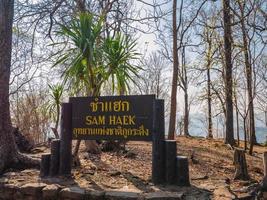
{"x":65,"y":139}
{"x":158,"y":150}
{"x":112,"y":117}
{"x":137,"y":117}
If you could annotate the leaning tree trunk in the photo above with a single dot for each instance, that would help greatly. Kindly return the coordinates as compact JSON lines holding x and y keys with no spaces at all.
{"x":10,"y":157}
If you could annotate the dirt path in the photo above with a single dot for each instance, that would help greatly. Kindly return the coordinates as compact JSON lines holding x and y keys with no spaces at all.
{"x":211,"y":169}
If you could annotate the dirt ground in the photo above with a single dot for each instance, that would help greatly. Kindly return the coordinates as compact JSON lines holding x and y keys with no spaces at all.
{"x":211,"y":167}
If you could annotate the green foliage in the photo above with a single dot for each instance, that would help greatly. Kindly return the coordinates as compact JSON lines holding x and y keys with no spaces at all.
{"x":91,"y":59}
{"x":118,"y":53}
{"x":52,"y":106}
{"x":81,"y":59}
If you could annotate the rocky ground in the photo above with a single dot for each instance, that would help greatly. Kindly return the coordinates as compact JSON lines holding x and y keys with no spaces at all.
{"x":211,"y":172}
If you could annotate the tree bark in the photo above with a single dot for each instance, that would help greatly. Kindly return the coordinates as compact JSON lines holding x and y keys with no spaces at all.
{"x":10,"y":157}
{"x":241,"y":170}
{"x":249,"y":80}
{"x":229,"y":134}
{"x":186,"y":113}
{"x":172,"y":120}
{"x":210,"y":135}
{"x":237,"y":117}
{"x":245,"y":134}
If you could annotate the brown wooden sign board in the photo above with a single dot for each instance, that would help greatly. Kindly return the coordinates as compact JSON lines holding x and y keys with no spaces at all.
{"x":113,"y":117}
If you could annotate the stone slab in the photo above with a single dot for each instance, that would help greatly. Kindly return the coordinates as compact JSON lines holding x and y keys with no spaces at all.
{"x":117,"y":195}
{"x":72,"y":193}
{"x":164,"y":196}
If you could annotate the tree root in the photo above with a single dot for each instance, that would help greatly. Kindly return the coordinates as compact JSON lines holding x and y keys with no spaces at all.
{"x":22,"y":161}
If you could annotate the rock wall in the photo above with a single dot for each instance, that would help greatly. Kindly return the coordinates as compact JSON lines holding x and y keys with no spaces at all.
{"x":42,"y":191}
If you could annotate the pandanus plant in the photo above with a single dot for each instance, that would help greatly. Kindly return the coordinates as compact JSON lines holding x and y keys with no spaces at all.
{"x":91,"y":60}
{"x":56,"y":92}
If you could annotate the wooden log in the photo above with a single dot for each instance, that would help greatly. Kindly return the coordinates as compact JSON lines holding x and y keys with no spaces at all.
{"x":65,"y":157}
{"x":182,"y":171}
{"x":158,"y":154}
{"x":170,"y":161}
{"x":241,"y":170}
{"x":45,"y":165}
{"x":264,"y":181}
{"x":54,"y":159}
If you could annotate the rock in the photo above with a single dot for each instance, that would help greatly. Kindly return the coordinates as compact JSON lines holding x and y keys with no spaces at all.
{"x":50,"y":192}
{"x":115,"y":173}
{"x":30,"y":171}
{"x":3,"y":180}
{"x":10,"y":174}
{"x":72,"y":193}
{"x":95,"y":195}
{"x":223,"y":193}
{"x":117,"y":195}
{"x":33,"y":189}
{"x":130,"y":154}
{"x":164,"y":195}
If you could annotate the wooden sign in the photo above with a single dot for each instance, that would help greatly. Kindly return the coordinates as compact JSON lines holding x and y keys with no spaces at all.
{"x":112,"y":117}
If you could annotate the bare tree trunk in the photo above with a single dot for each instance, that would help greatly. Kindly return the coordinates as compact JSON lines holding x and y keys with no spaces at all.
{"x":249,"y":78}
{"x":186,"y":113}
{"x":210,"y":135}
{"x":172,"y":122}
{"x":229,"y":135}
{"x":237,"y":118}
{"x":245,"y":134}
{"x":10,"y":157}
{"x":237,"y":128}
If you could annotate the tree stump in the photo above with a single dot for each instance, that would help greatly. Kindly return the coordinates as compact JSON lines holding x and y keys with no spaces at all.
{"x":170,"y":162}
{"x":264,"y":181}
{"x":45,"y":165}
{"x":241,"y":171}
{"x":54,"y":159}
{"x":182,"y":171}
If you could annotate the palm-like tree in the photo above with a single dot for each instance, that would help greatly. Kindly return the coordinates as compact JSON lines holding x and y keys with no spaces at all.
{"x":56,"y":92}
{"x":91,"y":60}
{"x":82,"y":59}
